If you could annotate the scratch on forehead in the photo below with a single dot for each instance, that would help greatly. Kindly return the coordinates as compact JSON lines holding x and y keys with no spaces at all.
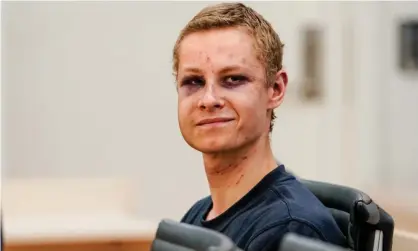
{"x":204,"y":55}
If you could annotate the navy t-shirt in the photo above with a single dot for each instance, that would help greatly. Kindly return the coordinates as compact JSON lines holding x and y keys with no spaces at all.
{"x":278,"y":204}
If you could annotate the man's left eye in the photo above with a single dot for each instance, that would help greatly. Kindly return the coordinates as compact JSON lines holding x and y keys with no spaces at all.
{"x":235,"y":80}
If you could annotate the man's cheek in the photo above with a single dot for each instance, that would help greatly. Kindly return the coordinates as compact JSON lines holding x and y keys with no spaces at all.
{"x":184,"y":110}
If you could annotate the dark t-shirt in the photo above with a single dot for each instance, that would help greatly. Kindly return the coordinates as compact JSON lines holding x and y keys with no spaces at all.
{"x":278,"y":204}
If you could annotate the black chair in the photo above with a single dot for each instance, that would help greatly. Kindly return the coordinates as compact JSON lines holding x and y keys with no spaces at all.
{"x":367,"y":227}
{"x":174,"y":236}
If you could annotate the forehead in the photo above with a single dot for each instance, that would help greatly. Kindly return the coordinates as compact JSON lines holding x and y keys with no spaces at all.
{"x":218,"y":48}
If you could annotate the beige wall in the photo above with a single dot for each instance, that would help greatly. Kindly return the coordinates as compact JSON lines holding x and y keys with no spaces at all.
{"x":88,"y":93}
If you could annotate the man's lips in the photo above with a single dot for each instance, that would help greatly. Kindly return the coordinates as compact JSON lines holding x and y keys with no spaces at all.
{"x":213,"y":121}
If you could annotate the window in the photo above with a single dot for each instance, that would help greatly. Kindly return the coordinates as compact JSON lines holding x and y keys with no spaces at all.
{"x":409,"y":45}
{"x":312,"y":63}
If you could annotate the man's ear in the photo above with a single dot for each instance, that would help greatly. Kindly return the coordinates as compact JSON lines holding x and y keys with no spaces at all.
{"x":278,"y":89}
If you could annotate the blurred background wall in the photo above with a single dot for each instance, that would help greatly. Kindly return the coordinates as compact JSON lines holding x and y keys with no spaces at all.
{"x":88,"y":95}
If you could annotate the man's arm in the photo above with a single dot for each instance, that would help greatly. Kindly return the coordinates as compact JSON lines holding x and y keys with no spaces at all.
{"x":269,"y":238}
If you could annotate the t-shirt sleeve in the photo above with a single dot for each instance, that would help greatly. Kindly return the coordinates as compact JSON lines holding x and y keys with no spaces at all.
{"x":186,"y":216}
{"x":195,"y":211}
{"x":269,"y":238}
{"x":191,"y":214}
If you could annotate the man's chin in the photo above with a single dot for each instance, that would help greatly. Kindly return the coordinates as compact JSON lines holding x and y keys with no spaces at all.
{"x":212,"y":147}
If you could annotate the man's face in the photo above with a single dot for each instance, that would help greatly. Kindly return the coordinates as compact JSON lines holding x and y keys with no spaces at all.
{"x":223,"y":101}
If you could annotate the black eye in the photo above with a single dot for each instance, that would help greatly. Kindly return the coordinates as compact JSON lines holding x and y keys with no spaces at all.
{"x":235,"y":80}
{"x":193,"y":81}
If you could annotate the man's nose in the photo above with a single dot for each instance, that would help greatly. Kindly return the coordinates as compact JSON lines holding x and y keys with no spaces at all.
{"x":211,"y":100}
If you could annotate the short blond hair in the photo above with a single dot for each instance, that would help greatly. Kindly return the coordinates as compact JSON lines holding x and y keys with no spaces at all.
{"x":267,"y":43}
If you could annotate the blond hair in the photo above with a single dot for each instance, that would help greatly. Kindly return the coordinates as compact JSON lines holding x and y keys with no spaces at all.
{"x":267,"y":43}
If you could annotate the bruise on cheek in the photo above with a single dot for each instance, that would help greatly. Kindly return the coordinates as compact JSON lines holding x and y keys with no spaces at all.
{"x":183,"y":93}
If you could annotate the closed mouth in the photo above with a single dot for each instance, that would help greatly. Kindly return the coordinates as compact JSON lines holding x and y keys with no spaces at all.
{"x":213,"y":121}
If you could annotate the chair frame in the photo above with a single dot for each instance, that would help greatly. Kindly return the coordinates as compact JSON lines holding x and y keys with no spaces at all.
{"x":370,"y":228}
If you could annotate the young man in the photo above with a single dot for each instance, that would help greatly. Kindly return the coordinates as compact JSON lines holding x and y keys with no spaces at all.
{"x":228,"y":67}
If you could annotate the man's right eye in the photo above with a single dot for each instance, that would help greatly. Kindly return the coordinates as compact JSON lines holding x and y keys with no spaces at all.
{"x":193,"y":81}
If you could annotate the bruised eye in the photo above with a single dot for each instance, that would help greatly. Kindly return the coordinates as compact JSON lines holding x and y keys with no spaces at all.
{"x":193,"y":81}
{"x":235,"y":80}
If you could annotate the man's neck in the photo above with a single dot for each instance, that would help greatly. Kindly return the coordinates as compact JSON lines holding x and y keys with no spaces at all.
{"x":232,"y":175}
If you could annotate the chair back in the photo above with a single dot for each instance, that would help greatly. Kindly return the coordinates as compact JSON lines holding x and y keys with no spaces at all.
{"x":366,"y":226}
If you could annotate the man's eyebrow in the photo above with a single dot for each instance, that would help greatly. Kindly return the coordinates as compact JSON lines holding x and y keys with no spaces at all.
{"x":224,"y":70}
{"x":232,"y":68}
{"x":192,"y":70}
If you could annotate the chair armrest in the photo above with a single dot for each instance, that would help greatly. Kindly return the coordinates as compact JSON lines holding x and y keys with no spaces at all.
{"x":182,"y":237}
{"x":386,"y":225}
{"x":358,"y":204}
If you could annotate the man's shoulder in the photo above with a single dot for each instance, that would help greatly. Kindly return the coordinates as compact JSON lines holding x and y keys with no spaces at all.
{"x":268,"y":236}
{"x":272,"y":225}
{"x":196,"y":210}
{"x":299,"y":200}
{"x":305,"y":212}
